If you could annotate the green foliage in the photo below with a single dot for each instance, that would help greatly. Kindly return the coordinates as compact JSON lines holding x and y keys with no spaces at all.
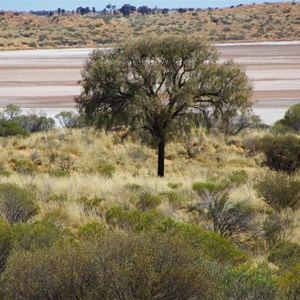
{"x":285,"y":254}
{"x":58,"y":197}
{"x":11,"y":128}
{"x":278,"y":227}
{"x":282,"y":152}
{"x":292,"y":118}
{"x":11,"y":111}
{"x":106,"y":170}
{"x":148,"y":201}
{"x":214,"y":246}
{"x":289,"y":283}
{"x":35,"y":235}
{"x":16,"y":204}
{"x":174,"y":185}
{"x":279,"y":190}
{"x":24,"y":166}
{"x":209,"y":186}
{"x":121,"y":88}
{"x":249,"y":283}
{"x":137,"y":266}
{"x":68,"y":119}
{"x":238,"y":178}
{"x":6,"y":234}
{"x":91,"y":230}
{"x":116,"y":217}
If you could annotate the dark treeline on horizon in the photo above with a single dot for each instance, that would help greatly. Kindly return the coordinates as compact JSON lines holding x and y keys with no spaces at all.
{"x":110,"y":9}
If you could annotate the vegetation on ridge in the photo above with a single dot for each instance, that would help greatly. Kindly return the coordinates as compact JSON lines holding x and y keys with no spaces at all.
{"x":255,"y":22}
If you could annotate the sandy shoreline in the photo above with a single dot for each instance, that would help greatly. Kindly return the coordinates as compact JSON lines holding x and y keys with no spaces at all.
{"x":48,"y":79}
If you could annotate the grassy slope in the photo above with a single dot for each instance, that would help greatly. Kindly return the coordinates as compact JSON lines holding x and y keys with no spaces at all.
{"x":99,"y":165}
{"x":267,"y":22}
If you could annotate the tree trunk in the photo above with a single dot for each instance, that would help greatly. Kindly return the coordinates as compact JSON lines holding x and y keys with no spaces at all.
{"x":161,"y":159}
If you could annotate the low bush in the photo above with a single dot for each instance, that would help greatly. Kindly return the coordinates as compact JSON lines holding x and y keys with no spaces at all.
{"x":279,"y":190}
{"x":16,"y":204}
{"x":282,"y":152}
{"x":285,"y":254}
{"x":6,"y":234}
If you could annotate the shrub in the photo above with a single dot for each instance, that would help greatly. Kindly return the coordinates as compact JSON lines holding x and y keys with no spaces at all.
{"x":16,"y":204}
{"x":136,"y":266}
{"x":213,"y":245}
{"x":228,"y":218}
{"x":106,"y":170}
{"x":11,"y":128}
{"x":24,"y":167}
{"x":35,"y":235}
{"x":278,"y":227}
{"x":91,"y":230}
{"x":249,"y":283}
{"x":282,"y":152}
{"x":117,"y":217}
{"x":285,"y":254}
{"x":148,"y":201}
{"x":279,"y":190}
{"x":292,"y":117}
{"x":289,"y":282}
{"x":55,"y":273}
{"x":6,"y":234}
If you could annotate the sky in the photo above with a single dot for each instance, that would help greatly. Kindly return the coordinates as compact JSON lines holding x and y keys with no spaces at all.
{"x":27,"y":5}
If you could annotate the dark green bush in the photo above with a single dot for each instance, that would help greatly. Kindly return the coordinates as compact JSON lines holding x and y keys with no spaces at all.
{"x":247,"y":283}
{"x":136,"y":266}
{"x":278,"y":227}
{"x":285,"y":254}
{"x":6,"y":234}
{"x":11,"y":128}
{"x":36,"y":235}
{"x":214,"y":246}
{"x":16,"y":204}
{"x":282,"y":152}
{"x":292,"y":118}
{"x":279,"y":190}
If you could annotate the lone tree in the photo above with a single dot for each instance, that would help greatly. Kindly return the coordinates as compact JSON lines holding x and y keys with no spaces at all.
{"x":159,"y":86}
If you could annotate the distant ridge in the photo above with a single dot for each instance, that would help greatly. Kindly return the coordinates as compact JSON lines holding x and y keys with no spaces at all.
{"x":62,"y":29}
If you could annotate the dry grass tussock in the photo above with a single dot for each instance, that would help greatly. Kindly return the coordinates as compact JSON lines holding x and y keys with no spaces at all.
{"x":78,"y":175}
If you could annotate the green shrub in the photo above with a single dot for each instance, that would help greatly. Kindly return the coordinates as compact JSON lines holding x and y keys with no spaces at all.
{"x":214,"y":246}
{"x":58,"y":197}
{"x":24,"y":167}
{"x":279,"y":190}
{"x":289,"y":283}
{"x":6,"y":234}
{"x":278,"y":227}
{"x":116,"y":217}
{"x":148,"y":201}
{"x":11,"y":128}
{"x":35,"y":235}
{"x":199,"y":187}
{"x":16,"y":204}
{"x":106,"y":170}
{"x":292,"y":117}
{"x":136,"y":266}
{"x":282,"y":152}
{"x":56,"y":273}
{"x":91,"y":230}
{"x":285,"y":254}
{"x":244,"y":282}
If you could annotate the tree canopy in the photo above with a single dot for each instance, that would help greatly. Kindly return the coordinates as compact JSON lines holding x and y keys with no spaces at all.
{"x":160,"y":85}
